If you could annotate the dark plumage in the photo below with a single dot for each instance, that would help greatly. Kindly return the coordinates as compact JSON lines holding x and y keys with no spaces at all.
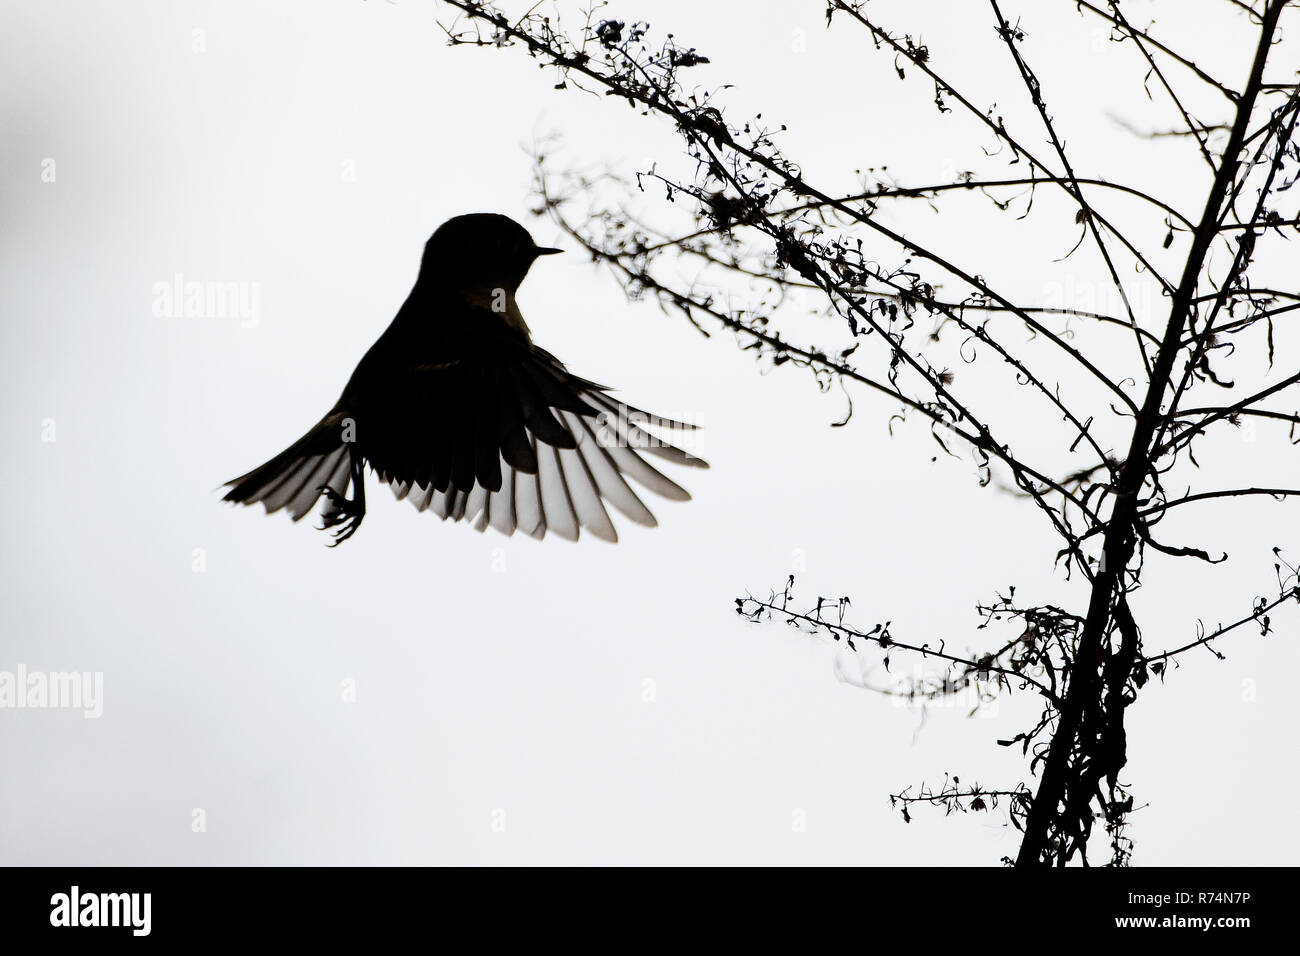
{"x":458,"y":410}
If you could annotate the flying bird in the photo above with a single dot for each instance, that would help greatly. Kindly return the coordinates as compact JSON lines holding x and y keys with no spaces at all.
{"x":460,"y":413}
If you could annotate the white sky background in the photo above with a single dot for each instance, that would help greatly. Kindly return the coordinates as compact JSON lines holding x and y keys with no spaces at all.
{"x":522,"y":690}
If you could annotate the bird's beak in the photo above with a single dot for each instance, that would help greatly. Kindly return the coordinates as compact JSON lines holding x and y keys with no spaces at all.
{"x":544,"y":251}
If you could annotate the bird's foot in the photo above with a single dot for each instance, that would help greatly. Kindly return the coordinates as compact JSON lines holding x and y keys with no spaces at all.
{"x":341,"y":516}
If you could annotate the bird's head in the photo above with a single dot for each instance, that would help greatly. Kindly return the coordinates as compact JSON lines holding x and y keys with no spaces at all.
{"x":480,"y":250}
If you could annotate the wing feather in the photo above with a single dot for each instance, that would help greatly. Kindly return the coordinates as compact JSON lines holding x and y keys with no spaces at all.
{"x":516,"y":442}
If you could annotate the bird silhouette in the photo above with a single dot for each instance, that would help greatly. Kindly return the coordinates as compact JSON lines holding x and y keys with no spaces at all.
{"x":459,"y":412}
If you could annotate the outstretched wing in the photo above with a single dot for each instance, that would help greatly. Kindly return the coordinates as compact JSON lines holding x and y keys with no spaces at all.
{"x":509,"y":438}
{"x":294,"y":479}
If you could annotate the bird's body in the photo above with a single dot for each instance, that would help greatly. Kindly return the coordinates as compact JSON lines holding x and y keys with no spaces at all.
{"x":459,"y":411}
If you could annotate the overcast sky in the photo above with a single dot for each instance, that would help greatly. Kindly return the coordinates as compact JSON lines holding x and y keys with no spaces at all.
{"x":426,"y":694}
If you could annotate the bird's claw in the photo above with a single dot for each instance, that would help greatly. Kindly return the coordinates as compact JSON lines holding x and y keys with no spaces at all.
{"x":341,"y":516}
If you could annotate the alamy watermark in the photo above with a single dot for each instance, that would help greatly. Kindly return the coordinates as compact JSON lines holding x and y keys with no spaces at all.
{"x":183,"y":298}
{"x":21,"y":689}
{"x":633,"y":428}
{"x":78,"y":908}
